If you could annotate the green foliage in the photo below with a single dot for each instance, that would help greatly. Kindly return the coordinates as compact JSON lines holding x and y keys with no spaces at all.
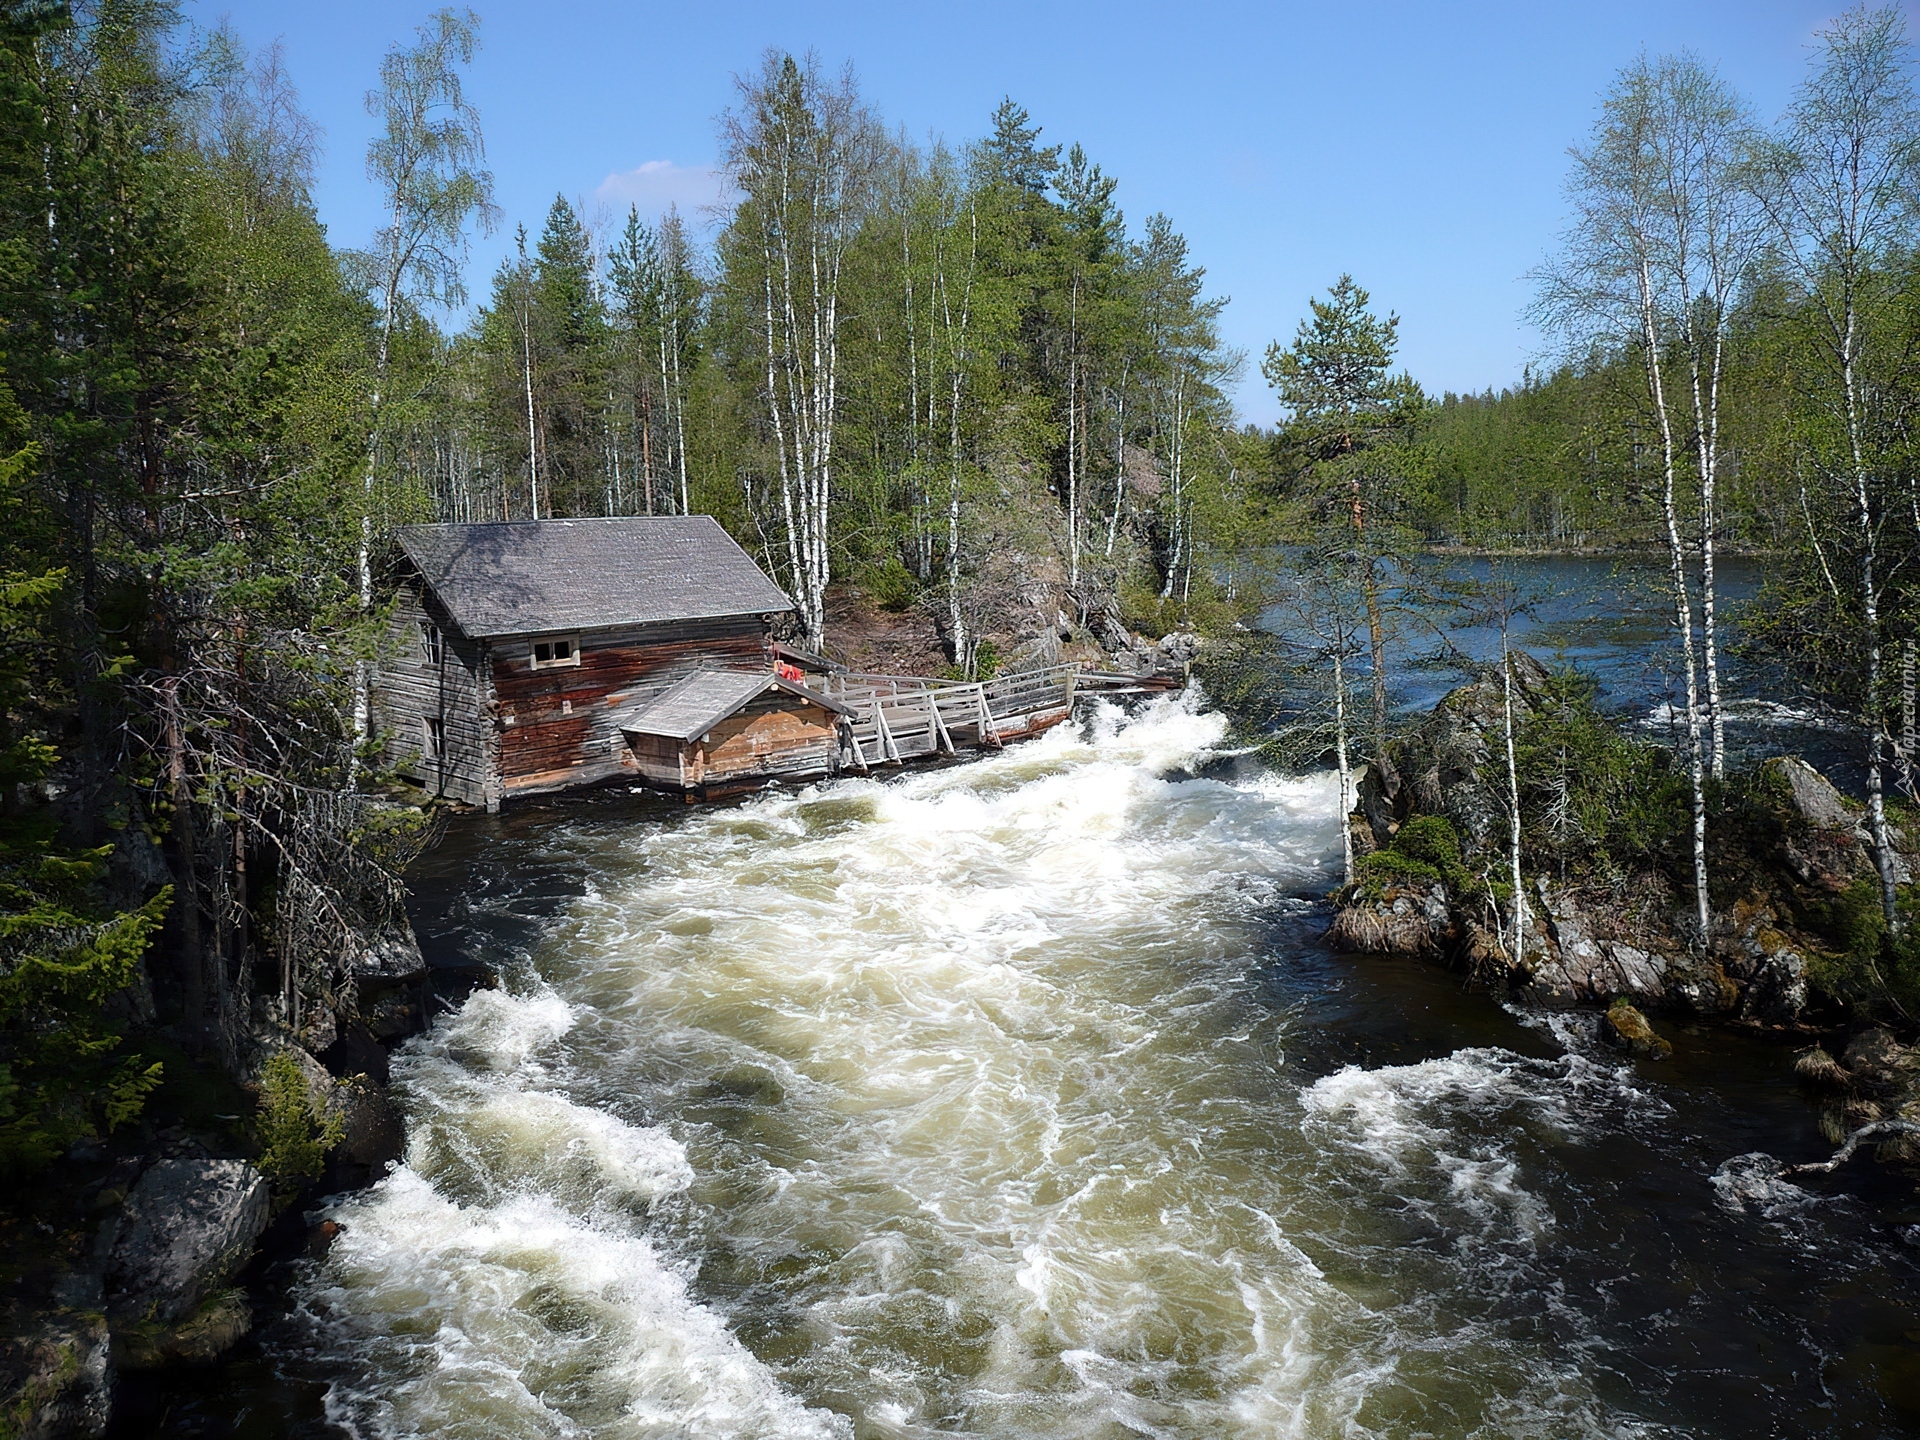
{"x":1383,"y":868}
{"x":296,"y":1129}
{"x":1431,"y":840}
{"x":1247,"y":676}
{"x":1142,"y":610}
{"x":1350,"y":431}
{"x":1868,"y":971}
{"x":63,"y":949}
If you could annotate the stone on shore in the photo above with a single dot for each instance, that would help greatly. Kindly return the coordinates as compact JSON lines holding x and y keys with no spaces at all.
{"x":188,"y":1227}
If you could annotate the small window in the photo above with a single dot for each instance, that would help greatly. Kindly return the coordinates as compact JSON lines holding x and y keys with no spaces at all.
{"x":432,"y":647}
{"x":557,"y":651}
{"x":433,"y":737}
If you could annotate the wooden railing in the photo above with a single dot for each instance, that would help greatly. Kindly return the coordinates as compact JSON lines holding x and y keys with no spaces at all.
{"x":901,"y":717}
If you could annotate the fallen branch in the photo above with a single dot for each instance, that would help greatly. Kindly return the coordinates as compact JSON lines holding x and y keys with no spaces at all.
{"x":1845,"y":1152}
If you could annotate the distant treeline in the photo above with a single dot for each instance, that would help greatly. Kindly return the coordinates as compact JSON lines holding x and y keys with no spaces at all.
{"x":1574,"y":459}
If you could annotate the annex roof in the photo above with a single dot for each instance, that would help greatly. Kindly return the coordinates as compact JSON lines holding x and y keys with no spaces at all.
{"x":695,"y":704}
{"x":528,"y":577}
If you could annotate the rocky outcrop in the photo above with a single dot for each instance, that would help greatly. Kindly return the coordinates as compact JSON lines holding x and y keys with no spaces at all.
{"x":1822,"y":842}
{"x":1445,"y":767}
{"x":1793,"y":847}
{"x":1580,"y":955}
{"x":1170,"y":655}
{"x":187,"y":1228}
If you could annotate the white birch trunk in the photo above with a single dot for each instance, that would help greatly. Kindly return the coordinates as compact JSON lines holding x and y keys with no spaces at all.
{"x":363,"y":669}
{"x":1682,"y":601}
{"x":1176,"y":455}
{"x":1340,"y":754}
{"x":1073,"y":435}
{"x":533,"y":458}
{"x":1706,"y":424}
{"x":956,"y":362}
{"x":1119,"y":459}
{"x":1904,"y":751}
{"x":1513,"y":806}
{"x":1870,"y":614}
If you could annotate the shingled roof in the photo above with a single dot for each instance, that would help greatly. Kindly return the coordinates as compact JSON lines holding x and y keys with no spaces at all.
{"x":528,"y":577}
{"x":697,"y":703}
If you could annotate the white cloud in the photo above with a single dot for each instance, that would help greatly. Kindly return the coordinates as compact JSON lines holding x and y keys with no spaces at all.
{"x":656,"y":184}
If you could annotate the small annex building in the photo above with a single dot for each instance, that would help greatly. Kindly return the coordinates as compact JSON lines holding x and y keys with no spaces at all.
{"x":531,"y":656}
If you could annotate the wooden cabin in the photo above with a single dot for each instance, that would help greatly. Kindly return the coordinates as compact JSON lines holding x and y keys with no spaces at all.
{"x":531,"y":656}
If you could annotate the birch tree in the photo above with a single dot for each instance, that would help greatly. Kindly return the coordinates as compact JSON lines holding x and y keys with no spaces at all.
{"x":956,"y":316}
{"x":804,"y":152}
{"x":1322,"y":607}
{"x":1708,"y":236}
{"x":427,"y":159}
{"x":1616,"y":282}
{"x":678,"y":328}
{"x":1839,"y":189}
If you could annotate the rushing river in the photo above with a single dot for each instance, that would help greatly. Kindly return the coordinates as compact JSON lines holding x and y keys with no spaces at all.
{"x":1017,"y":1099}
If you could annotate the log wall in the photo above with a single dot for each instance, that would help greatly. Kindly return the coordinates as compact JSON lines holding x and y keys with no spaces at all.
{"x":555,"y":725}
{"x":409,"y":688}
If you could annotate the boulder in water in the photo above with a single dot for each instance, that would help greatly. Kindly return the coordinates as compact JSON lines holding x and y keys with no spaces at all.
{"x":1625,"y":1027}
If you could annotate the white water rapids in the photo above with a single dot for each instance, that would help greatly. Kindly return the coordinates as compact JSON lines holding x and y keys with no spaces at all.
{"x":947,"y":1103}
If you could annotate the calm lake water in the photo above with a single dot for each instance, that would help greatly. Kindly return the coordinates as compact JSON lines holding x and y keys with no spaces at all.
{"x":1019,"y":1099}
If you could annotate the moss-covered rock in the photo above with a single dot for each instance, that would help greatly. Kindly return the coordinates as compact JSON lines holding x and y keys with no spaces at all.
{"x":1626,"y":1028}
{"x":57,"y":1379}
{"x":214,"y":1328}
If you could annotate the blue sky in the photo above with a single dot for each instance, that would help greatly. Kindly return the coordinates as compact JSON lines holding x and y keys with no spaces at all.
{"x":1419,"y":146}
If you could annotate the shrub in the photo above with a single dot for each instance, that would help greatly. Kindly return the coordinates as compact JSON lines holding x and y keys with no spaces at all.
{"x":890,"y":585}
{"x":296,"y":1132}
{"x":1423,"y":850}
{"x":1431,"y":840}
{"x":1593,"y":796}
{"x":1868,"y":970}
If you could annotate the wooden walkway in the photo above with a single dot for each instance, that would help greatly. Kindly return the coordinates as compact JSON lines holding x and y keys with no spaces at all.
{"x":897,"y":718}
